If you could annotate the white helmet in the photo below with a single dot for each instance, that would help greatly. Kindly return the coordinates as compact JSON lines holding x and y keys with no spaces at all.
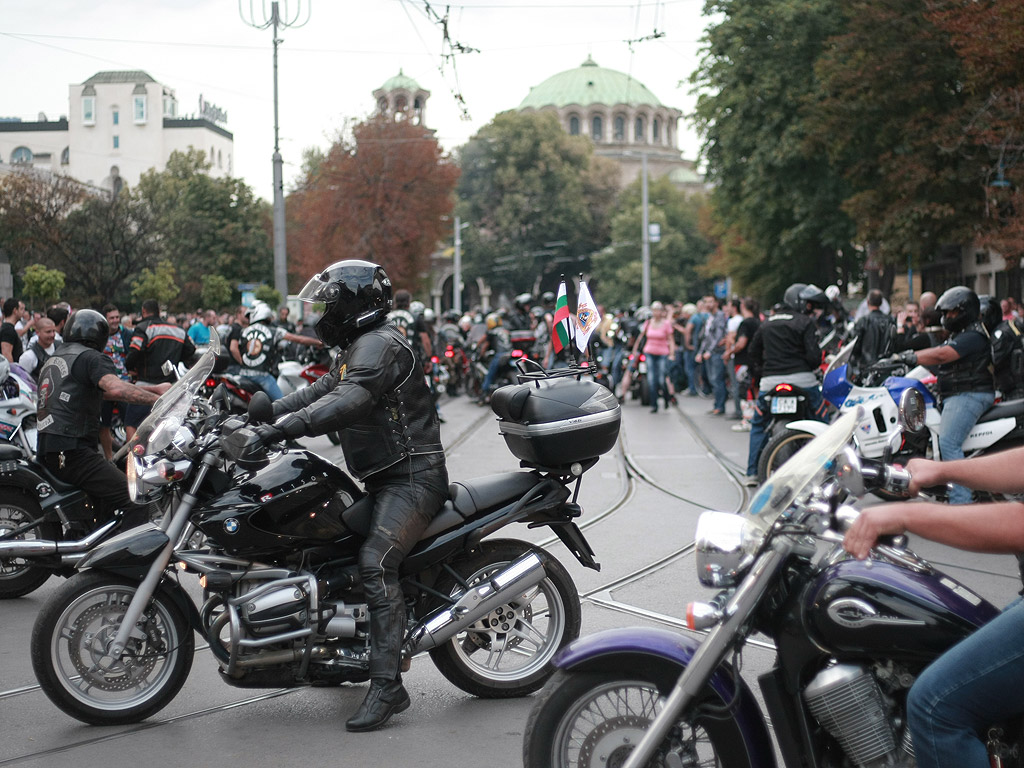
{"x":260,"y":312}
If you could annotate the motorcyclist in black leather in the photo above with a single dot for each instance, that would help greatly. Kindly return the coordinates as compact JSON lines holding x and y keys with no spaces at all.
{"x":376,"y":397}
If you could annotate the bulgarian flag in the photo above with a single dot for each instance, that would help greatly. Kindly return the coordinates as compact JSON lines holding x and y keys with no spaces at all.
{"x":560,"y":330}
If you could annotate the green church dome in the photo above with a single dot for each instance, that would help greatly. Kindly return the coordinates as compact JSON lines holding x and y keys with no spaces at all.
{"x":400,"y":81}
{"x":589,"y":84}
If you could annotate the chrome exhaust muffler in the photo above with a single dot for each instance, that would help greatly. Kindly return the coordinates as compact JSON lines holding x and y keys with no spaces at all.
{"x":30,"y":548}
{"x":502,"y":587}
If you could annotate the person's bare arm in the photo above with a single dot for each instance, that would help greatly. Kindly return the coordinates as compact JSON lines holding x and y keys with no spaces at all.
{"x":126,"y":392}
{"x":937,"y":355}
{"x":996,"y":528}
{"x":309,"y":341}
{"x":996,"y":472}
{"x":236,"y":353}
{"x":8,"y":350}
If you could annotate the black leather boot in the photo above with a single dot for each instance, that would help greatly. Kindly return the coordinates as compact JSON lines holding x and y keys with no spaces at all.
{"x":384,"y":699}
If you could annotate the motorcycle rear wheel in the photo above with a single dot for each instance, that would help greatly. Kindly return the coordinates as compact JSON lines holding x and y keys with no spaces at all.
{"x":508,"y":653}
{"x":19,"y":576}
{"x":70,"y":638}
{"x":779,"y":449}
{"x":595,"y":719}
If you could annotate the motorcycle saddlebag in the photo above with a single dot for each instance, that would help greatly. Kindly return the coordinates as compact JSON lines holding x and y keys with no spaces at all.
{"x":555,"y":422}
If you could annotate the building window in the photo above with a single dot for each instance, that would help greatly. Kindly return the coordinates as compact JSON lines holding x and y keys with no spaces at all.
{"x":574,"y":126}
{"x":619,"y":133}
{"x":597,"y":128}
{"x":117,"y":117}
{"x":139,"y":109}
{"x":638,"y":130}
{"x":89,"y":110}
{"x":655,"y":133}
{"x":21,"y":156}
{"x":117,"y":142}
{"x":220,"y":159}
{"x":65,"y":156}
{"x":170,"y":106}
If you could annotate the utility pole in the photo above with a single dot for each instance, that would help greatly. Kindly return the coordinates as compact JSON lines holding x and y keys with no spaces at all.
{"x":645,"y":240}
{"x":292,"y":17}
{"x":457,"y":266}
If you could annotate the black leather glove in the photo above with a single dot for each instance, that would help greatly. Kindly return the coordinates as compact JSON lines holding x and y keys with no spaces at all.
{"x":908,"y":358}
{"x":268,"y":433}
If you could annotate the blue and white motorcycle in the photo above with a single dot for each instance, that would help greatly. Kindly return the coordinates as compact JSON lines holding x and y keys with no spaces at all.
{"x":877,"y":431}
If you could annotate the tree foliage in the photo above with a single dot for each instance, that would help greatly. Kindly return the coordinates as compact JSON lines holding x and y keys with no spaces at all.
{"x":537,"y":200}
{"x":380,"y":194}
{"x":268,"y":295}
{"x":46,"y":285}
{"x":160,"y":283}
{"x":773,"y":192}
{"x":216,"y":292}
{"x":675,"y":259}
{"x":207,"y":224}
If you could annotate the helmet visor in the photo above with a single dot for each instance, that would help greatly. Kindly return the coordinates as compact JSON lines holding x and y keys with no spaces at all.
{"x":320,"y":288}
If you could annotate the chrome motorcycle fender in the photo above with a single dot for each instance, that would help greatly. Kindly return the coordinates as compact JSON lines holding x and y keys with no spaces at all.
{"x":130,"y":553}
{"x":609,"y":648}
{"x":876,"y":608}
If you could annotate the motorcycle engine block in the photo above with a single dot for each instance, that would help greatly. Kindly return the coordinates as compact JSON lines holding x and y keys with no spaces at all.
{"x":848,"y":703}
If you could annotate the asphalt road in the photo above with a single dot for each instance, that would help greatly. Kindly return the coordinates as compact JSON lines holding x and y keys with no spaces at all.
{"x":641,"y":503}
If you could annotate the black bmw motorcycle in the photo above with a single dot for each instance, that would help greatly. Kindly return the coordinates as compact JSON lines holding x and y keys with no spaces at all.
{"x":283,"y":605}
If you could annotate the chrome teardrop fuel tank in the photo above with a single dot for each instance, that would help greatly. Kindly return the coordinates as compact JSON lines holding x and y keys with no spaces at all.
{"x":876,"y":608}
{"x":293,"y":500}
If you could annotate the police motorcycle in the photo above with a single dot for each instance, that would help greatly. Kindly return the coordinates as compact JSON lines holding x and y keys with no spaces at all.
{"x":18,"y":408}
{"x":850,"y":638}
{"x":999,"y":427}
{"x":283,"y":604}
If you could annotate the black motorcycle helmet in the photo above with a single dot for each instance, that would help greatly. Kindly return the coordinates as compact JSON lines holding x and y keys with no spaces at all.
{"x":964,"y":302}
{"x":791,"y":298}
{"x":991,"y":313}
{"x":815,"y":296}
{"x":88,"y":327}
{"x":357,"y":294}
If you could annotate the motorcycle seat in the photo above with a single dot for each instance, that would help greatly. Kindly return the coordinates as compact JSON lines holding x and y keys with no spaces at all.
{"x":472,"y":496}
{"x":10,"y":452}
{"x":1004,"y":410}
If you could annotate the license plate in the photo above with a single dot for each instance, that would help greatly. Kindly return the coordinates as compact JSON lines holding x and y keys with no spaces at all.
{"x":783,"y":405}
{"x":642,"y":367}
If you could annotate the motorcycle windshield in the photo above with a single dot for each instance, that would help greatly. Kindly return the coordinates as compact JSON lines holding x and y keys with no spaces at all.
{"x":169,"y":412}
{"x":806,"y":468}
{"x":842,"y":358}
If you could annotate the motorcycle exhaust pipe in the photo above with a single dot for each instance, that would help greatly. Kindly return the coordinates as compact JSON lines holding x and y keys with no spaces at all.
{"x":47,"y":548}
{"x":520,"y":575}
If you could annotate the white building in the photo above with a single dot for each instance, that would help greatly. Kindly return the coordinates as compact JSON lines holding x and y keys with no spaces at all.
{"x":119,"y":125}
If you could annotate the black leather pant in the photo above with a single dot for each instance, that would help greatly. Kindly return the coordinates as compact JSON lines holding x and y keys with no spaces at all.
{"x":404,"y":504}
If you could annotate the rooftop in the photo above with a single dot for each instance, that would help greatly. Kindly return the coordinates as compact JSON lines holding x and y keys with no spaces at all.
{"x":589,"y":84}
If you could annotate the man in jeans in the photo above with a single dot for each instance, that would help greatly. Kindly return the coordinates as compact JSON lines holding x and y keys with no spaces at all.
{"x":711,"y":352}
{"x":966,"y":386}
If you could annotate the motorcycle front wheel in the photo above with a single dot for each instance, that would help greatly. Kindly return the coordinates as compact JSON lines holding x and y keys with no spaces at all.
{"x":70,"y":640}
{"x":508,"y":652}
{"x":18,"y":575}
{"x":595,"y":719}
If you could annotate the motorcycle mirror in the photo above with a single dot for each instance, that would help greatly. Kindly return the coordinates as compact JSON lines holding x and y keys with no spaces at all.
{"x":849,"y":472}
{"x":261,"y":410}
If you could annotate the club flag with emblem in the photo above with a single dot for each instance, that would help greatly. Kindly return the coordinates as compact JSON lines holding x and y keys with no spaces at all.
{"x":586,"y":317}
{"x":560,"y":329}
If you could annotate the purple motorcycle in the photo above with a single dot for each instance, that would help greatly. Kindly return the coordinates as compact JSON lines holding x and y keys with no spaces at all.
{"x":851,"y":638}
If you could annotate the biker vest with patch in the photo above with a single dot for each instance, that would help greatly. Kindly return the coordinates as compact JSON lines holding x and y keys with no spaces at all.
{"x":66,"y":406}
{"x":41,"y":357}
{"x":258,"y":349}
{"x":968,"y":374}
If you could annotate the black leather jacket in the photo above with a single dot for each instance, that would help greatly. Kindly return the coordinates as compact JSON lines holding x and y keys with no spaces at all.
{"x":972,"y":373}
{"x":785,"y":343}
{"x":376,"y":396}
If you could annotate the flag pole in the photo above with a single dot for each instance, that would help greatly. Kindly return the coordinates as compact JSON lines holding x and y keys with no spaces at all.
{"x":573,"y":351}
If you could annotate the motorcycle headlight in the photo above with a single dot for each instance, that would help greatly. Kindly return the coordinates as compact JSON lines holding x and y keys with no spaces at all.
{"x":912,"y":410}
{"x":136,"y":489}
{"x":725,"y":547}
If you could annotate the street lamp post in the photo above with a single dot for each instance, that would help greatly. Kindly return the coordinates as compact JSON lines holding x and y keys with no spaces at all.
{"x":645,"y":241}
{"x":457,"y":266}
{"x":290,"y":18}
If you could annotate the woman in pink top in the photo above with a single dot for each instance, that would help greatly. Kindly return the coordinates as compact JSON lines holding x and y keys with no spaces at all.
{"x":659,"y":348}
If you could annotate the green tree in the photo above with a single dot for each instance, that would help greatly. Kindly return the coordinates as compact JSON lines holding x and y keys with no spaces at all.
{"x":216,"y":292}
{"x":269,"y":295}
{"x":537,"y":199}
{"x":675,"y":260}
{"x":207,"y":224}
{"x":159,"y":283}
{"x":46,"y":285}
{"x":774,"y":192}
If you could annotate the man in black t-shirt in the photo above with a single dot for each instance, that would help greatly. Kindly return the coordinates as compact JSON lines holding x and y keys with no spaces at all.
{"x":10,"y":339}
{"x":72,"y":386}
